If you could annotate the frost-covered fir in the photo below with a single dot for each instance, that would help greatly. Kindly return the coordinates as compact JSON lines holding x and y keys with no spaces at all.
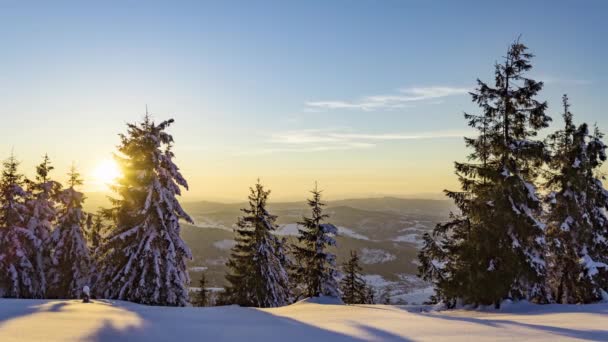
{"x":577,"y":226}
{"x":144,"y":257}
{"x":315,"y":266}
{"x":493,"y":249}
{"x":41,"y":215}
{"x":71,"y":262}
{"x":353,"y":287}
{"x":257,"y":273}
{"x":18,"y":244}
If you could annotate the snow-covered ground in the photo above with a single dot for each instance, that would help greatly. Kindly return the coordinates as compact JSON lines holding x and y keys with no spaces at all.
{"x":372,"y":256}
{"x":40,"y":320}
{"x":291,"y":229}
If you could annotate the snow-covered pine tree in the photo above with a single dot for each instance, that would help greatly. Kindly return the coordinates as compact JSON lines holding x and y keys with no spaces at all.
{"x":493,"y":249}
{"x":202,"y":296}
{"x":353,"y":287}
{"x":315,"y":267}
{"x":17,"y":243}
{"x":70,"y":268}
{"x":257,"y":273}
{"x":143,"y":256}
{"x":41,"y":215}
{"x":577,"y":226}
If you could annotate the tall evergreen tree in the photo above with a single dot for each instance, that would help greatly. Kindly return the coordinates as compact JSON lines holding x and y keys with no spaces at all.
{"x":257,"y":267}
{"x":353,"y":286}
{"x":71,"y":261}
{"x":41,"y":215}
{"x":577,"y":224}
{"x":316,"y":266}
{"x":144,"y":257}
{"x":17,"y":243}
{"x":493,"y":249}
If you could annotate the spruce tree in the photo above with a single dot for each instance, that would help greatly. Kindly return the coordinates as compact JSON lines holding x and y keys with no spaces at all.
{"x":71,"y":261}
{"x":41,"y":215}
{"x":493,"y":249}
{"x":18,"y":244}
{"x":316,"y":266}
{"x":257,"y":273}
{"x":353,"y":287}
{"x":202,"y":296}
{"x":577,"y":226}
{"x":95,"y":230}
{"x":144,"y":257}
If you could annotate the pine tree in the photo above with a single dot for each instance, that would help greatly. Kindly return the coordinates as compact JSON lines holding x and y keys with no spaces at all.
{"x":70,"y":258}
{"x":257,"y":267}
{"x":144,"y":257}
{"x":353,"y":286}
{"x":17,"y":243}
{"x":202,"y":296}
{"x":494,"y":248}
{"x":41,"y":215}
{"x":95,"y":230}
{"x":316,"y":268}
{"x":577,"y":224}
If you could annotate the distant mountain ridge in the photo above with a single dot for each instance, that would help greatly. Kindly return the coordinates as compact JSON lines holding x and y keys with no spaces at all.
{"x":386,"y":232}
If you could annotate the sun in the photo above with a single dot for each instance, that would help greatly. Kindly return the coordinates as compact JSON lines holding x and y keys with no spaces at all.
{"x":106,"y":173}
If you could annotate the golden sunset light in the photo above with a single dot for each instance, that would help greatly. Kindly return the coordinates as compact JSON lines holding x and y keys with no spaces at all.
{"x":105,"y":174}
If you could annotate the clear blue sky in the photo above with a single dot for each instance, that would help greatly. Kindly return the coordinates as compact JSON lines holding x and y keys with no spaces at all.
{"x":364,"y":96}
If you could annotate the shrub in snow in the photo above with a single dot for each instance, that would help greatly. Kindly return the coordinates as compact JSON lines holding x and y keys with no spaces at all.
{"x":577,"y":224}
{"x":315,"y":267}
{"x":494,"y":247}
{"x":143,"y":256}
{"x":257,"y":273}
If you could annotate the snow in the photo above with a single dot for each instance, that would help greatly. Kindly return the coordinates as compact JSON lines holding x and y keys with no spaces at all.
{"x":410,"y":238}
{"x":370,"y":256}
{"x":414,"y":296}
{"x":224,"y":244}
{"x":197,"y":269}
{"x":290,"y":229}
{"x":304,"y":321}
{"x":350,"y":233}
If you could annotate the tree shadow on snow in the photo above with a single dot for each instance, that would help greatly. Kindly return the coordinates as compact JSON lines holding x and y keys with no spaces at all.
{"x":590,"y":335}
{"x":13,"y":308}
{"x":229,"y":323}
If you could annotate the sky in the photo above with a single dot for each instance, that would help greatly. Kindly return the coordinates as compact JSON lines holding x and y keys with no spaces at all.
{"x":365,"y":97}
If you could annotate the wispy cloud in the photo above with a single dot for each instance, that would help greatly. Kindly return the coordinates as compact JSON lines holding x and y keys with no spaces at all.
{"x":563,"y":81}
{"x":403,"y":98}
{"x":318,"y":140}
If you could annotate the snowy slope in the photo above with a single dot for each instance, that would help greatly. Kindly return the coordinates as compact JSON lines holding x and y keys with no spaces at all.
{"x":38,"y":320}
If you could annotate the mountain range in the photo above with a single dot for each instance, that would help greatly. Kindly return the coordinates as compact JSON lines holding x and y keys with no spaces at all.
{"x":386,"y":232}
